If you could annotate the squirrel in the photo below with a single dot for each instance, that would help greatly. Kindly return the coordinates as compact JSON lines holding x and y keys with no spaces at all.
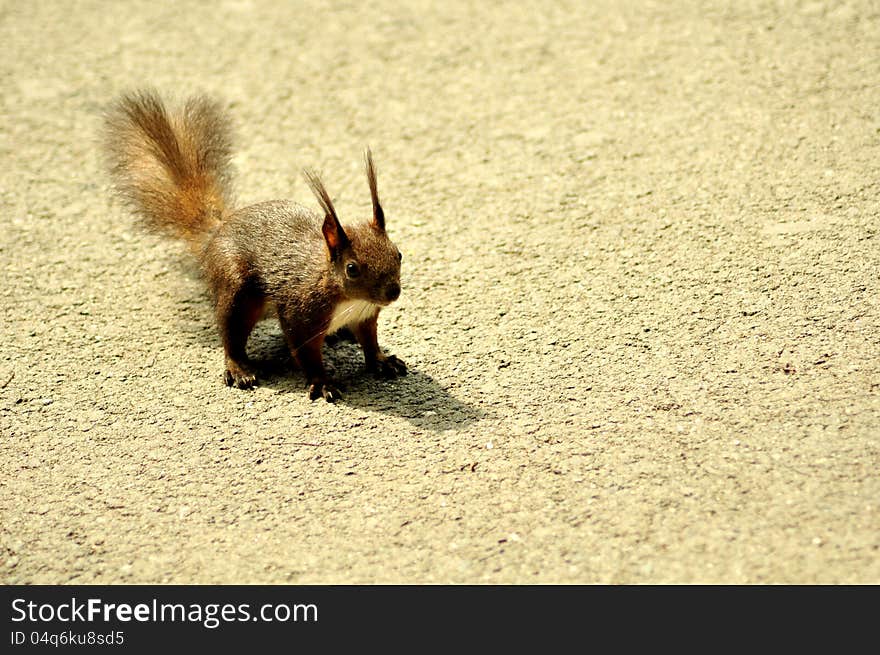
{"x":275,"y":257}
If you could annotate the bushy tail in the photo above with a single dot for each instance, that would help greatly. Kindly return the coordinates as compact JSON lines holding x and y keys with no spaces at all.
{"x":173,"y":168}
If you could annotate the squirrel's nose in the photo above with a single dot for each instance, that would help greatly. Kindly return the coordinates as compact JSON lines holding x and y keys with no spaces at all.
{"x":392,"y":291}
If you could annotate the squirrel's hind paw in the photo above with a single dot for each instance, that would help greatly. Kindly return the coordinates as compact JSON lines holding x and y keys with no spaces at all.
{"x":324,"y":389}
{"x":389,"y":367}
{"x":239,"y":379}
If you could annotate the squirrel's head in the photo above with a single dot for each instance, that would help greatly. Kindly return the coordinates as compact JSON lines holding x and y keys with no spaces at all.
{"x":363,"y":258}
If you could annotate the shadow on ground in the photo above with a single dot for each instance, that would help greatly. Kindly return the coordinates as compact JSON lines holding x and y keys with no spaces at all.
{"x":416,"y":397}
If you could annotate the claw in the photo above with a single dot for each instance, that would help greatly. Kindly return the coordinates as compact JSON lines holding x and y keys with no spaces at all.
{"x":389,"y":367}
{"x":239,"y":379}
{"x":324,"y":390}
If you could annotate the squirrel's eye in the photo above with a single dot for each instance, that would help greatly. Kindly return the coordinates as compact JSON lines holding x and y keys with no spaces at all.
{"x":399,"y":256}
{"x":352,"y":270}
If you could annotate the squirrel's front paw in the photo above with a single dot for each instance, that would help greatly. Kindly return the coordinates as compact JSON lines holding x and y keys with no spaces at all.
{"x":240,"y":378}
{"x":324,"y":389}
{"x":389,"y":367}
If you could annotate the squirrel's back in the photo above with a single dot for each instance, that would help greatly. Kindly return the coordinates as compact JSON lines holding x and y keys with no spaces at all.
{"x":278,"y":241}
{"x":172,"y":168}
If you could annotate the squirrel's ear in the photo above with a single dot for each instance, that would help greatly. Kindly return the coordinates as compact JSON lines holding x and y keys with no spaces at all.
{"x":378,"y":214}
{"x":334,"y":235}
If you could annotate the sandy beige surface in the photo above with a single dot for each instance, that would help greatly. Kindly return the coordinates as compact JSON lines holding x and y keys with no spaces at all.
{"x":640,"y":298}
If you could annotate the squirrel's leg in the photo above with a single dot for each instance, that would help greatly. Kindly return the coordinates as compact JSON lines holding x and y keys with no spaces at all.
{"x":237,"y":313}
{"x":306,"y":350}
{"x":386,"y":366}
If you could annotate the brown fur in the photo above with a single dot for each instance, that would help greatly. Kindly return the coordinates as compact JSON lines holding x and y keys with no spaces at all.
{"x":174,"y":170}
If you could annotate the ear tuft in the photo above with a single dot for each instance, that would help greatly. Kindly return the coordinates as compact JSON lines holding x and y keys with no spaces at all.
{"x":334,"y":235}
{"x":317,"y":186}
{"x":378,"y":214}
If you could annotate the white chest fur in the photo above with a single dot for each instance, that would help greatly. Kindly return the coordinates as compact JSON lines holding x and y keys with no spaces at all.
{"x":351,"y":312}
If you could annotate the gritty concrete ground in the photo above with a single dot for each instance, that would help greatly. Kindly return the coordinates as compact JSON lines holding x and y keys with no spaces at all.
{"x":640,"y":298}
